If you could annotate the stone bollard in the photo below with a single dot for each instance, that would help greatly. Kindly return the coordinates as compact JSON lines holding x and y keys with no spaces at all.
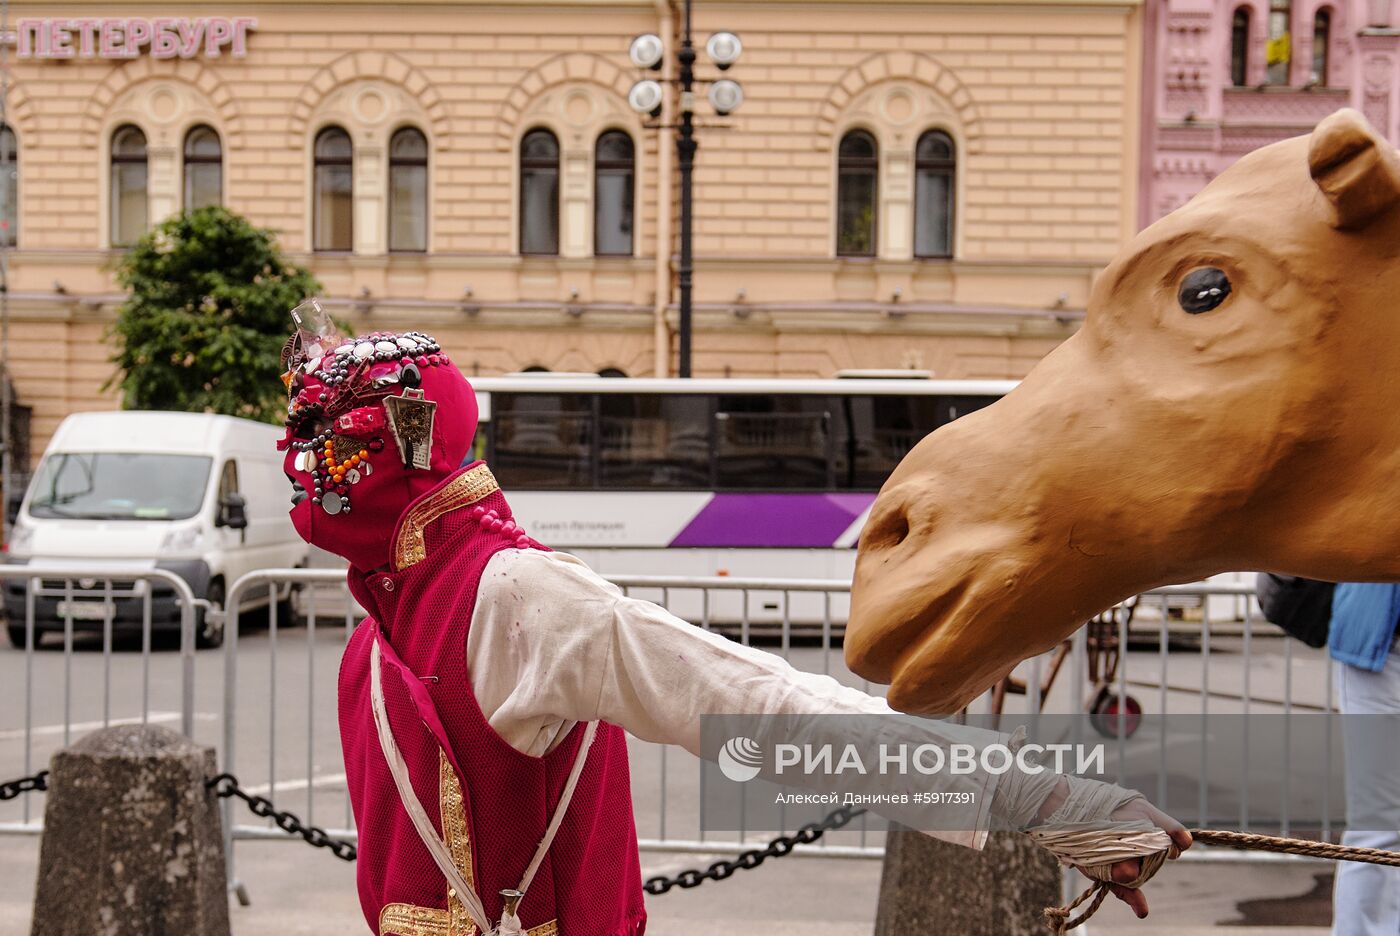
{"x":132,"y":839}
{"x":930,"y":886}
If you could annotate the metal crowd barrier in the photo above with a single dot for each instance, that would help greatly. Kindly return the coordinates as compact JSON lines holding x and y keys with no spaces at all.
{"x":84,"y":595}
{"x":278,"y":719}
{"x":789,"y":613}
{"x":319,"y":695}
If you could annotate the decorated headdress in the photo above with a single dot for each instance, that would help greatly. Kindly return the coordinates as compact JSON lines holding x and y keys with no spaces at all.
{"x":385,"y":405}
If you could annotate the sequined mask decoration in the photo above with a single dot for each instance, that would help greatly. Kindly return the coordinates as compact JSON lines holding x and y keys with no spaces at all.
{"x":411,"y":422}
{"x":344,"y":390}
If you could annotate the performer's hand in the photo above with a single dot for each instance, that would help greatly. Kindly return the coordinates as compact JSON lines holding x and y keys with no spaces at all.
{"x":1128,"y":871}
{"x":1125,"y":872}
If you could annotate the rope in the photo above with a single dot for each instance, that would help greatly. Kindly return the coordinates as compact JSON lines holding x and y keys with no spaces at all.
{"x":1059,"y":918}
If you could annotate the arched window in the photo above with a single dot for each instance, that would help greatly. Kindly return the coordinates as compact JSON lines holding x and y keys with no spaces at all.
{"x":935,"y":171}
{"x":408,"y":190}
{"x":612,"y":372}
{"x":613,"y":168}
{"x":333,"y":202}
{"x":128,"y":186}
{"x":204,"y":168}
{"x":1322,"y":40}
{"x":539,"y":193}
{"x":9,"y":188}
{"x":857,"y":172}
{"x":1239,"y":48}
{"x":1279,"y":52}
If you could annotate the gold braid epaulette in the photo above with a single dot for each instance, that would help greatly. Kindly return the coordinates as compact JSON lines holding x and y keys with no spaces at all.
{"x":462,"y":491}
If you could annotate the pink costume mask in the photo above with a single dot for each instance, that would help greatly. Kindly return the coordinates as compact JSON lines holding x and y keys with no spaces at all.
{"x":373,"y":423}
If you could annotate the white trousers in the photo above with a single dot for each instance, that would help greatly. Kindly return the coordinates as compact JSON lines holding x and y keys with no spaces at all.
{"x":1366,"y":897}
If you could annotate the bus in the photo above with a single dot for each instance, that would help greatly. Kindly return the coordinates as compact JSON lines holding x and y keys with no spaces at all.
{"x":703,"y":477}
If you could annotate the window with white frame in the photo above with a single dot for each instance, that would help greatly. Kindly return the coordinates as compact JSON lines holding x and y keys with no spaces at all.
{"x":935,"y":179}
{"x":1239,"y":48}
{"x":857,"y":184}
{"x":204,"y":168}
{"x":129,"y":186}
{"x":408,"y":190}
{"x":9,"y":187}
{"x":1321,"y":46}
{"x":1278,"y":53}
{"x":333,"y":206}
{"x":539,"y":193}
{"x":614,"y":176}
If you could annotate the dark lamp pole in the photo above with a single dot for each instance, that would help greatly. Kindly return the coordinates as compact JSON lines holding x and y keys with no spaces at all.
{"x":685,"y":152}
{"x":647,"y":52}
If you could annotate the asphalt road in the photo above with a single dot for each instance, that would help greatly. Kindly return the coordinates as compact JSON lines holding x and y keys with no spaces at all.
{"x":285,"y":746}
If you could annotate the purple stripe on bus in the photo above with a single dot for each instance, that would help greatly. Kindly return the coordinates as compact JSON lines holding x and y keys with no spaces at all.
{"x":790,"y":520}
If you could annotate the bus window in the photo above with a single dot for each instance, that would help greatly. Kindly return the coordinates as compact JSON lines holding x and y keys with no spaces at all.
{"x":779,"y":442}
{"x":885,"y":428}
{"x":543,"y":440}
{"x":479,"y":451}
{"x":653,"y":441}
{"x":955,"y":406}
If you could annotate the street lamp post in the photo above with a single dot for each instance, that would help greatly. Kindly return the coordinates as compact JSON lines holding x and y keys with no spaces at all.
{"x":646,"y":97}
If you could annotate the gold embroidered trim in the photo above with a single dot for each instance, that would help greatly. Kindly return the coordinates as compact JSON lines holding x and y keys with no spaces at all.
{"x":457,"y":838}
{"x":462,"y":491}
{"x":406,"y":920}
{"x":401,"y":919}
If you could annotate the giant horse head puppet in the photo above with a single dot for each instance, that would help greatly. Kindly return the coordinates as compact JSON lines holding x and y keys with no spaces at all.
{"x":1232,"y":402}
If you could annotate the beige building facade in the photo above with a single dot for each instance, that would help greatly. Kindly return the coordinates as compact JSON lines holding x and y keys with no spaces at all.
{"x":986,"y":155}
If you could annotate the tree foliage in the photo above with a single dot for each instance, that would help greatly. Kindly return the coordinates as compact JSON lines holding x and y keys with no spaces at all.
{"x":206,"y":316}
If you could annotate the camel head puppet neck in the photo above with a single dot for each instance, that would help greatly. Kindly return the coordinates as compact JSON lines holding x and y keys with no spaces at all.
{"x":1231,"y":403}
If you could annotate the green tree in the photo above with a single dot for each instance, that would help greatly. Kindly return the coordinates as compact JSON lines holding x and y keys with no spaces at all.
{"x":203,"y":326}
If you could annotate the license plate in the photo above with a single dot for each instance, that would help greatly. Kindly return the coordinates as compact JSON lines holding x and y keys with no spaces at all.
{"x":86,"y":610}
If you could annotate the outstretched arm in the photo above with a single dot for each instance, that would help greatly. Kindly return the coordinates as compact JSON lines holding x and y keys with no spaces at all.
{"x":553,"y":643}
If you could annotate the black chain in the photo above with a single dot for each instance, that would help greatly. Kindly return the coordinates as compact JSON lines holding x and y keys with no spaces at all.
{"x":226,"y":785}
{"x":748,"y":860}
{"x":39,"y":782}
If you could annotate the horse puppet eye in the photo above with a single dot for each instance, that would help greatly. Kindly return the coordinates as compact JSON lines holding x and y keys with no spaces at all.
{"x":1203,"y":290}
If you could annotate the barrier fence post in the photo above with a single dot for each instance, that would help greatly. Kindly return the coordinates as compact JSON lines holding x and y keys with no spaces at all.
{"x":132,"y":842}
{"x":929,"y":886}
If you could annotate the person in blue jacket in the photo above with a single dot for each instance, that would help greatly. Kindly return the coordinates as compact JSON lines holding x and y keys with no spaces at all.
{"x":1362,"y":642}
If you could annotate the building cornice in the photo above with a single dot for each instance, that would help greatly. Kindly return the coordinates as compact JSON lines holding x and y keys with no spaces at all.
{"x":496,"y":6}
{"x":925,"y":318}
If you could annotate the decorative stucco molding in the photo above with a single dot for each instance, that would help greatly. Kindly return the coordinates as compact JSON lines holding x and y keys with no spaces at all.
{"x":188,"y":72}
{"x":920,"y":69}
{"x":371,"y":67}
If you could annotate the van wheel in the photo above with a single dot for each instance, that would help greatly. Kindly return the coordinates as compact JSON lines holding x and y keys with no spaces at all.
{"x":16,"y":634}
{"x":209,"y":632}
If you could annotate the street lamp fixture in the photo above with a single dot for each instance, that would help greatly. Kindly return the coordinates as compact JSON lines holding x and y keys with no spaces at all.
{"x":726,"y":96}
{"x":647,"y":51}
{"x":724,"y":49}
{"x":646,"y":97}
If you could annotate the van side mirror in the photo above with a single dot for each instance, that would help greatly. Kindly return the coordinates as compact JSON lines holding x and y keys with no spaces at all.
{"x":233,"y":512}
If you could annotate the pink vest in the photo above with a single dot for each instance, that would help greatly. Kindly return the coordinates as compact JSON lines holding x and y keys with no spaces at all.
{"x":489,"y":802}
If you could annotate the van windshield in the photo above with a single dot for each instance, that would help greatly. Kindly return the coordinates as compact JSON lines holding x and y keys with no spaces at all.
{"x":119,"y":486}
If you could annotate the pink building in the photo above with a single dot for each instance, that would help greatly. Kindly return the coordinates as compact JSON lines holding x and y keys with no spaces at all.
{"x":1223,"y":77}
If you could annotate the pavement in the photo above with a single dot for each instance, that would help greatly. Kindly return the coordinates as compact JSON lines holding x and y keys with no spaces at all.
{"x":285,"y":734}
{"x":296,"y":893}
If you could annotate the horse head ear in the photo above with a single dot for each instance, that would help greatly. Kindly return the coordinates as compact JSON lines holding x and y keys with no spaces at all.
{"x":1357,"y":170}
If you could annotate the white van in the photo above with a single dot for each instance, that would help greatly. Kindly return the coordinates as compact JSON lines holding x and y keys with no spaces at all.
{"x":200,"y":495}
